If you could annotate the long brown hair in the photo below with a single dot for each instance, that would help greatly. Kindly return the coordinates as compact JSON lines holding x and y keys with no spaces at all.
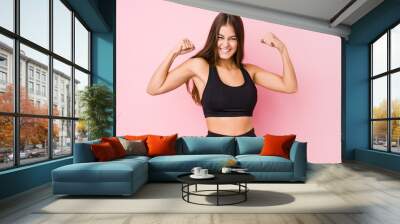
{"x":210,"y":50}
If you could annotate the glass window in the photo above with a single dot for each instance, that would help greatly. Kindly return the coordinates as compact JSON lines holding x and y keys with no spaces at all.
{"x":395,"y":136}
{"x":43,"y":90}
{"x":62,"y":72}
{"x":395,"y":95}
{"x":379,"y":100}
{"x":379,"y":133}
{"x":62,"y":137}
{"x":40,"y":62}
{"x":30,"y":72}
{"x":81,"y":131}
{"x":37,"y":75}
{"x":37,"y":89}
{"x":34,"y":21}
{"x":62,"y":29}
{"x":6,"y":142}
{"x":395,"y":47}
{"x":81,"y":45}
{"x":385,"y":92}
{"x":34,"y":80}
{"x":81,"y":81}
{"x":33,"y":140}
{"x":30,"y":87}
{"x":6,"y":73}
{"x":3,"y":78}
{"x":3,"y":60}
{"x":379,"y":55}
{"x":7,"y":14}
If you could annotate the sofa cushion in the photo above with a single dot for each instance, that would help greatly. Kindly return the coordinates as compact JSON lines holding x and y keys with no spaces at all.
{"x":191,"y":145}
{"x":83,"y":152}
{"x":134,"y":147}
{"x":116,"y":145}
{"x":161,"y":145}
{"x":111,"y":171}
{"x":275,"y":145}
{"x":185,"y":163}
{"x":103,"y":151}
{"x":257,"y":163}
{"x":249,"y":145}
{"x":132,"y":158}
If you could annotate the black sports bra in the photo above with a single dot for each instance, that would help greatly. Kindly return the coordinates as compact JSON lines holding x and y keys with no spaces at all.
{"x":221,"y":100}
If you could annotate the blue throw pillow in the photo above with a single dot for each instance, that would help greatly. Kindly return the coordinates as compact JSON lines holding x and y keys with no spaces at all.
{"x":192,"y":145}
{"x":249,"y":145}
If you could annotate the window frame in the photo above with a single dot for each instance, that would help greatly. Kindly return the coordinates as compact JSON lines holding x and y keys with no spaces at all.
{"x":388,"y":74}
{"x":16,"y":114}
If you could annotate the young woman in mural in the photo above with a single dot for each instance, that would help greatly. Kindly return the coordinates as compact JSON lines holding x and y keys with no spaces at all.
{"x":222,"y":84}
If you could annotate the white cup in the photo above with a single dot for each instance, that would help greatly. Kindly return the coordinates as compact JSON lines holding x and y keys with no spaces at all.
{"x":196,"y":170}
{"x":203,"y":172}
{"x":226,"y":170}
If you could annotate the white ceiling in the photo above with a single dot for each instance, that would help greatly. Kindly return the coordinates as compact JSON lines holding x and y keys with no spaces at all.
{"x":324,"y":16}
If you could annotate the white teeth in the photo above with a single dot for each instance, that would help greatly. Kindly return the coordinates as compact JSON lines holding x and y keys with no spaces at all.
{"x":225,"y":51}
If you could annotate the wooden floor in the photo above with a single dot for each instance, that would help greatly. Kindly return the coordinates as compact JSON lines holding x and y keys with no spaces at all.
{"x":377,"y":188}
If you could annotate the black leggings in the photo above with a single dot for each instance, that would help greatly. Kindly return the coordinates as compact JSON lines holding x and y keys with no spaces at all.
{"x":248,"y":134}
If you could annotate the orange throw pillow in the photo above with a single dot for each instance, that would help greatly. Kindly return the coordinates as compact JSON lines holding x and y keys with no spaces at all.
{"x":277,"y":145}
{"x":103,"y":152}
{"x":161,"y":145}
{"x":116,"y":145}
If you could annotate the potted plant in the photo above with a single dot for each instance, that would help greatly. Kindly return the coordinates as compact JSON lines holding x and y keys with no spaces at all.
{"x":96,"y":102}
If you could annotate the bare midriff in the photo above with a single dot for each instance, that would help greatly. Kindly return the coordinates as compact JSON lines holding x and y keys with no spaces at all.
{"x":229,"y":125}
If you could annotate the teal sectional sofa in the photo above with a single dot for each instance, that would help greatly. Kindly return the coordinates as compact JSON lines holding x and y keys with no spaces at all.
{"x":125,"y":176}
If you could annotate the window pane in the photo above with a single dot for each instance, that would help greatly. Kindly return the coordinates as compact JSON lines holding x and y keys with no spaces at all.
{"x":81,"y":131}
{"x":62,"y":89}
{"x":33,"y":140}
{"x":395,"y":136}
{"x":81,"y":45}
{"x":7,"y":14}
{"x":35,"y":21}
{"x":395,"y":94}
{"x":379,"y":55}
{"x":62,"y":137}
{"x":62,"y":29}
{"x":395,"y":47}
{"x":34,"y":76}
{"x":6,"y":74}
{"x":379,"y":135}
{"x":6,"y":142}
{"x":379,"y":100}
{"x":81,"y":81}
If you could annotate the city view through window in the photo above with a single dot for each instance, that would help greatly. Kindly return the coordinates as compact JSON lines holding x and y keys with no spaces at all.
{"x":385,"y":87}
{"x":39,"y":118}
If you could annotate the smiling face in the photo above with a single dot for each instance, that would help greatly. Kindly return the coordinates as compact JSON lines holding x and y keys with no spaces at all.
{"x":227,"y":42}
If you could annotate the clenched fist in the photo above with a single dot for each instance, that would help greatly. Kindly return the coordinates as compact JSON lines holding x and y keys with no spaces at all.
{"x":184,"y":46}
{"x":271,"y":40}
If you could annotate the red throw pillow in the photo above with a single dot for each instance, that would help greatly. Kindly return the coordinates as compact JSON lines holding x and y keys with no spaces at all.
{"x":277,"y":145}
{"x":161,"y":145}
{"x":103,"y":151}
{"x":116,"y":145}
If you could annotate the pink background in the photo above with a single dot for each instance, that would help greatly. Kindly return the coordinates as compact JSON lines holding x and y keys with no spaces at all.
{"x":148,"y":30}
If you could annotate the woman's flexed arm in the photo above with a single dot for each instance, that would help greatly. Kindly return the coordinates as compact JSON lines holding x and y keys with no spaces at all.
{"x":286,"y":83}
{"x":164,"y":80}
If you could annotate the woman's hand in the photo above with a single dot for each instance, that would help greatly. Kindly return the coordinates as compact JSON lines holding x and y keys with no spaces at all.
{"x":271,"y":40}
{"x":184,"y":46}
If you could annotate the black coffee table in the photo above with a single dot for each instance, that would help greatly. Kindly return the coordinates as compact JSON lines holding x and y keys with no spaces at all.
{"x":239,"y":179}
